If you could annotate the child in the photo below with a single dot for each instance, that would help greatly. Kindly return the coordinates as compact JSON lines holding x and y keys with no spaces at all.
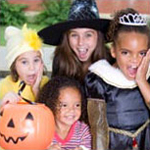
{"x":79,"y":40}
{"x":24,"y":57}
{"x":64,"y":97}
{"x":124,"y":85}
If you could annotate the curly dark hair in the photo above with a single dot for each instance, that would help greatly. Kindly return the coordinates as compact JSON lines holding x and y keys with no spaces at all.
{"x":116,"y":28}
{"x":49,"y":94}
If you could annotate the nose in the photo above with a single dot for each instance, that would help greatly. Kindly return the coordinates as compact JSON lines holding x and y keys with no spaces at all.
{"x":31,"y":66}
{"x":134,"y":58}
{"x":71,"y":109}
{"x":80,"y":40}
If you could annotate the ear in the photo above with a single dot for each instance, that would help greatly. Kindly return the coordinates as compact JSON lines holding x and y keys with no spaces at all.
{"x":113,"y":52}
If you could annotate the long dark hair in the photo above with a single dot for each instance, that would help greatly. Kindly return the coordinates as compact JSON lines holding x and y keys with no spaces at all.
{"x":66,"y":62}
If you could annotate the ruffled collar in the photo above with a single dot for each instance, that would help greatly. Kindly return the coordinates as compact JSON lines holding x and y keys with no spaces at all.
{"x":112,"y":75}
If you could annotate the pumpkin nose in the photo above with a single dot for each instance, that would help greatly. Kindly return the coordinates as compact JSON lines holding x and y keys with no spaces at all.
{"x":11,"y":124}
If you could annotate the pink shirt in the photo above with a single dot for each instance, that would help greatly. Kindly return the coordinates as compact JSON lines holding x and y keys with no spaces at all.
{"x":78,"y":135}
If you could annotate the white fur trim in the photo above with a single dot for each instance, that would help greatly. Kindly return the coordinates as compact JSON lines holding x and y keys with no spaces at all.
{"x":111,"y":75}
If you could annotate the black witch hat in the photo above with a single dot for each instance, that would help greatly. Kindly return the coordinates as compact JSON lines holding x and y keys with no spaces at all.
{"x":83,"y":14}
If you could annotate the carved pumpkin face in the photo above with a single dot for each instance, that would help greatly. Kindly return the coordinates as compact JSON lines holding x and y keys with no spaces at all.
{"x":25,"y":126}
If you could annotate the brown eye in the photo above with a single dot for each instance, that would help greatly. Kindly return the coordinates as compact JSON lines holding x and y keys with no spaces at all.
{"x":143,"y":53}
{"x":78,"y":105}
{"x":29,"y":116}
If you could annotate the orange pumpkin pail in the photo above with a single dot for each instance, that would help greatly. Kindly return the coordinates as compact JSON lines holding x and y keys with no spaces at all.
{"x":26,"y":126}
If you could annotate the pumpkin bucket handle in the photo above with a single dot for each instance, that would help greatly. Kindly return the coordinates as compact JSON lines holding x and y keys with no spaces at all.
{"x":22,"y":86}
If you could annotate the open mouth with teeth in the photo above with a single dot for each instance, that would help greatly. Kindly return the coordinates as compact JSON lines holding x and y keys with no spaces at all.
{"x":21,"y":138}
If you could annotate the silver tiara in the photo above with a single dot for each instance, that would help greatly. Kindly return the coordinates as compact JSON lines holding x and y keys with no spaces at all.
{"x":133,"y":20}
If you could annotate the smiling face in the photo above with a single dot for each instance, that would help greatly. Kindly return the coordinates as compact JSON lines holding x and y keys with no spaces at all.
{"x":83,"y":42}
{"x":69,"y":107}
{"x":27,"y":66}
{"x":129,"y":51}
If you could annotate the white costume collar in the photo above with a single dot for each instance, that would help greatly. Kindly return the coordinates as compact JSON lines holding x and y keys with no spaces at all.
{"x":111,"y":75}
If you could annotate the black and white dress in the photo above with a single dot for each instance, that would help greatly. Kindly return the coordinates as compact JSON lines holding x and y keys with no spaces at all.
{"x":126,"y":109}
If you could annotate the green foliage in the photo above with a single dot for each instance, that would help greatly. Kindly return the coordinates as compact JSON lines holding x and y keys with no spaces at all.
{"x":30,"y":25}
{"x":2,"y":40}
{"x":54,"y":11}
{"x":11,"y":14}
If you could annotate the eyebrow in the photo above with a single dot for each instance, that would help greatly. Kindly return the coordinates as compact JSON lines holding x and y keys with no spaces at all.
{"x":131,"y":50}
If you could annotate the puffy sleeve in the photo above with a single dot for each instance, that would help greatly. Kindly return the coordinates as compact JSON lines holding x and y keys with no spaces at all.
{"x":95,"y":87}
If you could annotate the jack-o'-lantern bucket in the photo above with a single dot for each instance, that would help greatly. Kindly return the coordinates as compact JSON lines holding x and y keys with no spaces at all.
{"x":26,"y":126}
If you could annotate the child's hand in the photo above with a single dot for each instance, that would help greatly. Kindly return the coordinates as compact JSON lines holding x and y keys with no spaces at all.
{"x":10,"y":97}
{"x":143,"y":68}
{"x":55,"y":147}
{"x":81,"y":148}
{"x":78,"y":148}
{"x":36,"y":86}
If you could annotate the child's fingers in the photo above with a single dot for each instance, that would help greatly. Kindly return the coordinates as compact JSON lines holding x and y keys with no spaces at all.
{"x":146,"y":60}
{"x":39,"y":75}
{"x":40,"y":71}
{"x":10,"y":97}
{"x":55,"y":147}
{"x":148,"y":55}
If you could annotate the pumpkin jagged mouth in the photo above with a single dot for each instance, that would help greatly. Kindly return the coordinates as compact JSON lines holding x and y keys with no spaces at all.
{"x":11,"y":138}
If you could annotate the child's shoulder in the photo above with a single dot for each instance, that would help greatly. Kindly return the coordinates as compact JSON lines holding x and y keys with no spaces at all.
{"x":6,"y":80}
{"x":81,"y":125}
{"x":44,"y":80}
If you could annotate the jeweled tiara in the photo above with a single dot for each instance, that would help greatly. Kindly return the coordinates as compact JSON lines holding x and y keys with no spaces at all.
{"x":133,"y":20}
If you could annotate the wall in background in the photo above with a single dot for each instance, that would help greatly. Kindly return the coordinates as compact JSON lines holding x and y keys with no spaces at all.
{"x":104,"y":6}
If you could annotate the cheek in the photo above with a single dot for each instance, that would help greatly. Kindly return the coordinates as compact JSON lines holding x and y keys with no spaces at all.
{"x":21,"y":73}
{"x":71,"y":42}
{"x":93,"y":43}
{"x":78,"y":112}
{"x":58,"y":115}
{"x":37,"y":66}
{"x":122,"y":66}
{"x":21,"y":70}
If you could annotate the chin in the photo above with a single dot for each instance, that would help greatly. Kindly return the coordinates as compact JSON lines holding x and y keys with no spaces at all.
{"x":30,"y":83}
{"x":83,"y":60}
{"x":131,"y":78}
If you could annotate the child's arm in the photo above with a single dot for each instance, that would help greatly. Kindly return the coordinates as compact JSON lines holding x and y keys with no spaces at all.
{"x":10,"y":97}
{"x":55,"y":147}
{"x":143,"y":85}
{"x":81,"y":148}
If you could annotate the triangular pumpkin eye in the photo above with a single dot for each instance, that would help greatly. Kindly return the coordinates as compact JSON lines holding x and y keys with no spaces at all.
{"x":11,"y":124}
{"x":1,"y":113}
{"x":29,"y":116}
